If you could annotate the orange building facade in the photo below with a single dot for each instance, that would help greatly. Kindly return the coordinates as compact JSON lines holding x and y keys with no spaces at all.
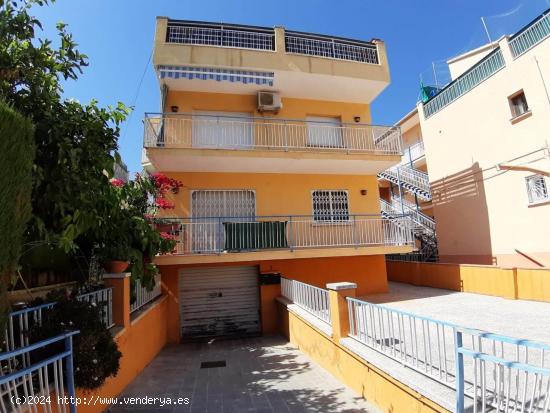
{"x":270,"y":133}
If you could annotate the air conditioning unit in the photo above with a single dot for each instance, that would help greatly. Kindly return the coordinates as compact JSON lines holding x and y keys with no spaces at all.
{"x":269,"y":102}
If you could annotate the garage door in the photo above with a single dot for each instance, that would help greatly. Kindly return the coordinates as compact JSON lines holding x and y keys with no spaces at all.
{"x":219,"y":301}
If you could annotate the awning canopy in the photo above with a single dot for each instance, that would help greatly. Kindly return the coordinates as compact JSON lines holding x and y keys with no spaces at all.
{"x":219,"y":75}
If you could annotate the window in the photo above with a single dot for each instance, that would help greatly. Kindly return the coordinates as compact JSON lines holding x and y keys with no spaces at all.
{"x":518,"y":104}
{"x":330,"y":206}
{"x":536,"y":189}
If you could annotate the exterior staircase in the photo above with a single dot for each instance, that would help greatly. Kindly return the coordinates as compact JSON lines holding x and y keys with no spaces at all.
{"x":410,"y":179}
{"x":422,"y":225}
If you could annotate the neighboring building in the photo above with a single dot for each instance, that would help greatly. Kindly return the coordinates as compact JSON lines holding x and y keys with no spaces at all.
{"x":120,"y":171}
{"x":486,"y":143}
{"x":268,"y":130}
{"x":405,"y":190}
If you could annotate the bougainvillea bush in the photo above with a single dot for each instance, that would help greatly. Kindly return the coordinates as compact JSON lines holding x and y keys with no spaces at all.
{"x":129,"y":233}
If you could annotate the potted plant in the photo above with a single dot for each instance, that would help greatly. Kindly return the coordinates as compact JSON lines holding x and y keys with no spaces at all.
{"x":115,"y":257}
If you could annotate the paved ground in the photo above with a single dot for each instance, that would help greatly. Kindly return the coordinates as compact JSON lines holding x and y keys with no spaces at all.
{"x":515,"y":318}
{"x":263,"y":375}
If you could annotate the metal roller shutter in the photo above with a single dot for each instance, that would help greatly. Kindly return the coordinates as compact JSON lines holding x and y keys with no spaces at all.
{"x":219,"y":301}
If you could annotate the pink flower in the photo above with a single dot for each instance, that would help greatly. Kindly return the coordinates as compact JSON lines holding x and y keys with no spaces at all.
{"x":117,"y":182}
{"x":168,"y":236}
{"x":164,"y":204}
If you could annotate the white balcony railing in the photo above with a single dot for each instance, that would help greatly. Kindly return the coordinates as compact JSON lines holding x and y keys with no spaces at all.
{"x":413,"y":153}
{"x":250,"y":133}
{"x":233,"y":234}
{"x":313,"y":299}
{"x":142,"y":295}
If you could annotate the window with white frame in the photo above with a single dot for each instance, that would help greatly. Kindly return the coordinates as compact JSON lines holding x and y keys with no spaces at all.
{"x":330,"y":205}
{"x":518,"y":104}
{"x":536,"y":189}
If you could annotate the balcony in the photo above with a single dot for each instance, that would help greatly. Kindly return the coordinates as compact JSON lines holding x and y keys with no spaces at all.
{"x":413,"y":153}
{"x":296,"y":64}
{"x":187,"y":142}
{"x":216,"y":239}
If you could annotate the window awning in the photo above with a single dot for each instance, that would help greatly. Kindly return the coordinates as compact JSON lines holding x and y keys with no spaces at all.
{"x":219,"y":75}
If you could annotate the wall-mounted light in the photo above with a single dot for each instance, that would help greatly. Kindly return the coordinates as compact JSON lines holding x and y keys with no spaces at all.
{"x":363,"y":192}
{"x":357,"y":119}
{"x":174,"y":108}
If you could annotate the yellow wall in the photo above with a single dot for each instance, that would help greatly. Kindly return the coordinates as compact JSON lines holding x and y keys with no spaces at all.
{"x":371,"y":383}
{"x":280,"y":194}
{"x":368,"y":272}
{"x":513,"y":283}
{"x":292,"y":108}
{"x":139,"y":344}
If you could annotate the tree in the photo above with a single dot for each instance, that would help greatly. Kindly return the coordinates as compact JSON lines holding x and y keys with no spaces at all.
{"x":76,"y":144}
{"x":17,"y":151}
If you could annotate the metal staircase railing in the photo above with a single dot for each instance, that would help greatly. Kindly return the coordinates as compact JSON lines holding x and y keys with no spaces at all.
{"x":412,"y":180}
{"x":423,"y":228}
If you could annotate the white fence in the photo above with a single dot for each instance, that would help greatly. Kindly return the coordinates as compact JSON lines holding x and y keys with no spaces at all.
{"x":248,"y":133}
{"x":143,"y":296}
{"x":103,"y":299}
{"x":234,"y":234}
{"x":313,"y":299}
{"x":499,"y":372}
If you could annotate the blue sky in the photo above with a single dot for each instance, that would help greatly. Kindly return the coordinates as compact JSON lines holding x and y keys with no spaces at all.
{"x":117,"y":35}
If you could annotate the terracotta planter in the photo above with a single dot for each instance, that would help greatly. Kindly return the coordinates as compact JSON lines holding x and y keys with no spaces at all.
{"x":115,"y":267}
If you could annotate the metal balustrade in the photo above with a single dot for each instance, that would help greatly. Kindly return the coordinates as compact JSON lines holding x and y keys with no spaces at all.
{"x":419,"y":218}
{"x":251,"y":133}
{"x":104,"y":300}
{"x":221,"y":35}
{"x":534,"y":33}
{"x":22,"y":385}
{"x":313,"y":299}
{"x":413,"y":153}
{"x":434,"y":348}
{"x":19,"y":323}
{"x":413,"y":180}
{"x":215,"y":235}
{"x":501,"y":372}
{"x":142,"y":295}
{"x":331,"y":47}
{"x":484,"y":69}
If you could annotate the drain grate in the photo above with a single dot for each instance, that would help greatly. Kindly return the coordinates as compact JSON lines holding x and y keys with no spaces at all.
{"x":212,"y":364}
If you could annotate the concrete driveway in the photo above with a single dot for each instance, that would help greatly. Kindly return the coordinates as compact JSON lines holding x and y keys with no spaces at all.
{"x":262,"y":375}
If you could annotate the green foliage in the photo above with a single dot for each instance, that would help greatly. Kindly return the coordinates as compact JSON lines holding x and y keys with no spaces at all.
{"x":96,"y":355}
{"x":17,"y":154}
{"x":76,"y":144}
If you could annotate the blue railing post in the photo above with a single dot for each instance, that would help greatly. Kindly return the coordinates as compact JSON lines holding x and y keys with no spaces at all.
{"x":69,"y":373}
{"x":220,"y":236}
{"x":459,"y":360}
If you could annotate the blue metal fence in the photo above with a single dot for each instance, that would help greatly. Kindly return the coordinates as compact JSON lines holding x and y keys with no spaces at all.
{"x":531,"y":35}
{"x":48,"y":382}
{"x":487,"y":67}
{"x":495,"y":371}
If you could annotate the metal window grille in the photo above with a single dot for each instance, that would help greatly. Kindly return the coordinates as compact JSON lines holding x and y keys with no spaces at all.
{"x":537,"y":190}
{"x":220,"y":36}
{"x":532,"y":35}
{"x":331,"y":48}
{"x":330,"y":206}
{"x":466,"y":82}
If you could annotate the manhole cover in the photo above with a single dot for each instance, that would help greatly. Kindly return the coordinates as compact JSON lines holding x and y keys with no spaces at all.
{"x":212,"y":364}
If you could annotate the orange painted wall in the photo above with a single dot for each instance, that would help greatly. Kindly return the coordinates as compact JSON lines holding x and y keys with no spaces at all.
{"x":292,"y":108}
{"x":139,"y":344}
{"x":533,"y":284}
{"x":279,"y":194}
{"x":369,"y":272}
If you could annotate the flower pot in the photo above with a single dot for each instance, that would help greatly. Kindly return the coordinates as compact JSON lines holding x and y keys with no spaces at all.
{"x":115,"y":267}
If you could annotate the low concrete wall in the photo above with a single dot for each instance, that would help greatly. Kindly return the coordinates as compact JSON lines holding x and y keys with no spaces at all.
{"x":513,"y":283}
{"x":371,"y":383}
{"x":139,"y":343}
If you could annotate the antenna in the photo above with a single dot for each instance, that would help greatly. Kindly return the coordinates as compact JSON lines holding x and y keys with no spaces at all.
{"x":486,"y":30}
